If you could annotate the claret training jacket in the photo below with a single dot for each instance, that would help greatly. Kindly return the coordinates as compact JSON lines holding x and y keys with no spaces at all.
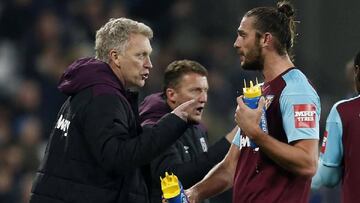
{"x":98,"y":151}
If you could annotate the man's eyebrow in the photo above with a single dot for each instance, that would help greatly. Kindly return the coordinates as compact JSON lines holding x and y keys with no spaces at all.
{"x":241,"y":32}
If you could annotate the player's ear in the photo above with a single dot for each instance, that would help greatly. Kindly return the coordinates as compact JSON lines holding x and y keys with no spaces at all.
{"x":266,"y":39}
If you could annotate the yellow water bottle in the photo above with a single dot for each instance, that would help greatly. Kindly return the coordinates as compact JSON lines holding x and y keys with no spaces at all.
{"x":172,"y":189}
{"x":251,"y":98}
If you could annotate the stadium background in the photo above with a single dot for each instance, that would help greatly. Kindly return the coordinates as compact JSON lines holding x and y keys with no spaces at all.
{"x":39,"y":38}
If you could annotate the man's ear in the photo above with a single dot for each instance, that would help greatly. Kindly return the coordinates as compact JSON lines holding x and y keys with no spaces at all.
{"x":171,"y":95}
{"x":115,"y":57}
{"x":266,"y":39}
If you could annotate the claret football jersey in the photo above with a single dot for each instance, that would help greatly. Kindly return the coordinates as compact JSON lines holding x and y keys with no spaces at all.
{"x":340,"y":147}
{"x":292,"y":113}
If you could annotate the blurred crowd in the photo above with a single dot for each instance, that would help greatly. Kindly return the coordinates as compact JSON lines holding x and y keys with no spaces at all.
{"x":39,"y":39}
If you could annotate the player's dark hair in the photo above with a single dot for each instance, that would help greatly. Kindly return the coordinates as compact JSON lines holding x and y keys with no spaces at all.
{"x":279,"y":22}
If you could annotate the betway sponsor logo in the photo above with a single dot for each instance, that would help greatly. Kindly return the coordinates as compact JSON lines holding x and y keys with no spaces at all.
{"x":305,"y":115}
{"x":63,"y":125}
{"x":246,"y":142}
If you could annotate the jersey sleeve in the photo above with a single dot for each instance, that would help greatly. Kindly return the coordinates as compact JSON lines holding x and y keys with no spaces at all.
{"x":332,"y":147}
{"x":237,"y":138}
{"x":301,"y":115}
{"x":300,"y":107}
{"x":300,"y":110}
{"x":326,"y":176}
{"x":329,"y":171}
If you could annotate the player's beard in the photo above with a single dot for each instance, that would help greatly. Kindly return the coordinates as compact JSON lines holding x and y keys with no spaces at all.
{"x":253,"y":59}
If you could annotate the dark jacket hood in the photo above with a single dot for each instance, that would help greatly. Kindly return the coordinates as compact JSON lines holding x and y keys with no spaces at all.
{"x":87,"y":72}
{"x":153,"y":108}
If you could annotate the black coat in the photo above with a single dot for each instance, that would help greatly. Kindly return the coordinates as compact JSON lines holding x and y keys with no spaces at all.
{"x":190,"y":158}
{"x":97,"y":151}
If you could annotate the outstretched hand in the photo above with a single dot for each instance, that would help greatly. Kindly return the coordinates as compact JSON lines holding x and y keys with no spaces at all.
{"x":188,"y":108}
{"x":184,"y":109}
